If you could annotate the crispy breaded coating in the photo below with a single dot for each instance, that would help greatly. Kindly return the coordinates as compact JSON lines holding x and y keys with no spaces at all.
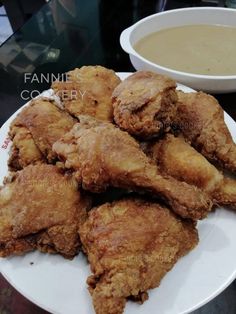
{"x":131,"y":244}
{"x":175,"y":157}
{"x":40,"y":208}
{"x":88,"y":91}
{"x":102,"y":155}
{"x":45,"y":122}
{"x":23,"y":151}
{"x":226,"y":193}
{"x":201,"y":120}
{"x":145,"y":104}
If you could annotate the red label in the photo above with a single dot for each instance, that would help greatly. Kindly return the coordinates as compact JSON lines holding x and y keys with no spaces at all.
{"x":6,"y":143}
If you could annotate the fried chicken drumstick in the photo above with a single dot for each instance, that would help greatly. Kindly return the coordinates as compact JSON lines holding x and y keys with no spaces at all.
{"x":145,"y":104}
{"x":131,"y":244}
{"x":201,"y":121}
{"x":102,"y":155}
{"x":178,"y":159}
{"x":88,"y":91}
{"x":40,"y":208}
{"x":34,"y":131}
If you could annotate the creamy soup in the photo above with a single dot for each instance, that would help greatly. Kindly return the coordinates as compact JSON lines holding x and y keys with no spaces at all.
{"x":200,"y":49}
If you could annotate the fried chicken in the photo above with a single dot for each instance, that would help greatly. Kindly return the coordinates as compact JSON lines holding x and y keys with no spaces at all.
{"x":145,"y":104}
{"x":88,"y":91}
{"x":40,"y":208}
{"x":201,"y":120}
{"x":23,"y":151}
{"x":178,"y":159}
{"x":46,"y":123}
{"x":102,"y":155}
{"x":131,"y":244}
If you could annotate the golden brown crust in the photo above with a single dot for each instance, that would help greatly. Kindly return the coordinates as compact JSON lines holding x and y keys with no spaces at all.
{"x":175,"y":157}
{"x":43,"y":205}
{"x":178,"y":159}
{"x":131,"y":244}
{"x":201,"y":120}
{"x":23,"y":152}
{"x":102,"y":155}
{"x":144,"y":104}
{"x":88,"y":91}
{"x":45,"y":122}
{"x":225,"y":195}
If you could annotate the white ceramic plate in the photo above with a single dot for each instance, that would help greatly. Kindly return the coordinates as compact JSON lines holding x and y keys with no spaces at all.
{"x":59,"y":285}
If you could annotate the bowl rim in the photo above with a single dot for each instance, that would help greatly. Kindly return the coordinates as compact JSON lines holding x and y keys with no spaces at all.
{"x":131,"y":28}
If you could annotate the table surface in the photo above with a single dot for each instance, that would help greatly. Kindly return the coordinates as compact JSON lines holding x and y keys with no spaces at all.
{"x":63,"y":35}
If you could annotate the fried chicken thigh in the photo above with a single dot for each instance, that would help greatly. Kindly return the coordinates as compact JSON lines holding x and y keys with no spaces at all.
{"x":145,"y":104}
{"x":131,"y":244}
{"x":178,"y":159}
{"x":88,"y":91}
{"x":35,"y":129}
{"x":40,"y":208}
{"x":201,"y":120}
{"x":102,"y":155}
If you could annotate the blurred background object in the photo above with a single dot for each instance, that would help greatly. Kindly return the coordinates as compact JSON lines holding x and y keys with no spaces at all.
{"x":19,"y":11}
{"x":5,"y":27}
{"x":231,"y":3}
{"x":14,"y":14}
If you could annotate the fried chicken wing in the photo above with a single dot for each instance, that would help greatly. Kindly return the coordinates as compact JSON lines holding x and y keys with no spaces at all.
{"x":178,"y":159}
{"x":23,"y":151}
{"x":131,"y":244}
{"x":201,"y":120}
{"x":102,"y":155}
{"x":145,"y":104}
{"x":88,"y":91}
{"x":46,"y":123}
{"x":40,"y":208}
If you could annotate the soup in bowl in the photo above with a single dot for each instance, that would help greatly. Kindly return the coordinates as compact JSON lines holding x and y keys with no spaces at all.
{"x":195,"y":46}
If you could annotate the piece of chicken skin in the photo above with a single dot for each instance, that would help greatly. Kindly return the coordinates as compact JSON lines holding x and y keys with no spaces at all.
{"x":46,"y":123}
{"x":40,"y":208}
{"x":102,"y":155}
{"x":131,"y":244}
{"x":145,"y":104}
{"x":201,"y":121}
{"x":177,"y":158}
{"x":23,"y":150}
{"x":88,"y":91}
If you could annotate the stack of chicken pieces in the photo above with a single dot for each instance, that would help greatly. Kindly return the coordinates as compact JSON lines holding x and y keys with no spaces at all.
{"x":157,"y":150}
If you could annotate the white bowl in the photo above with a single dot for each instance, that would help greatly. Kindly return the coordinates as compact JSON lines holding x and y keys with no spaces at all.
{"x":188,"y":16}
